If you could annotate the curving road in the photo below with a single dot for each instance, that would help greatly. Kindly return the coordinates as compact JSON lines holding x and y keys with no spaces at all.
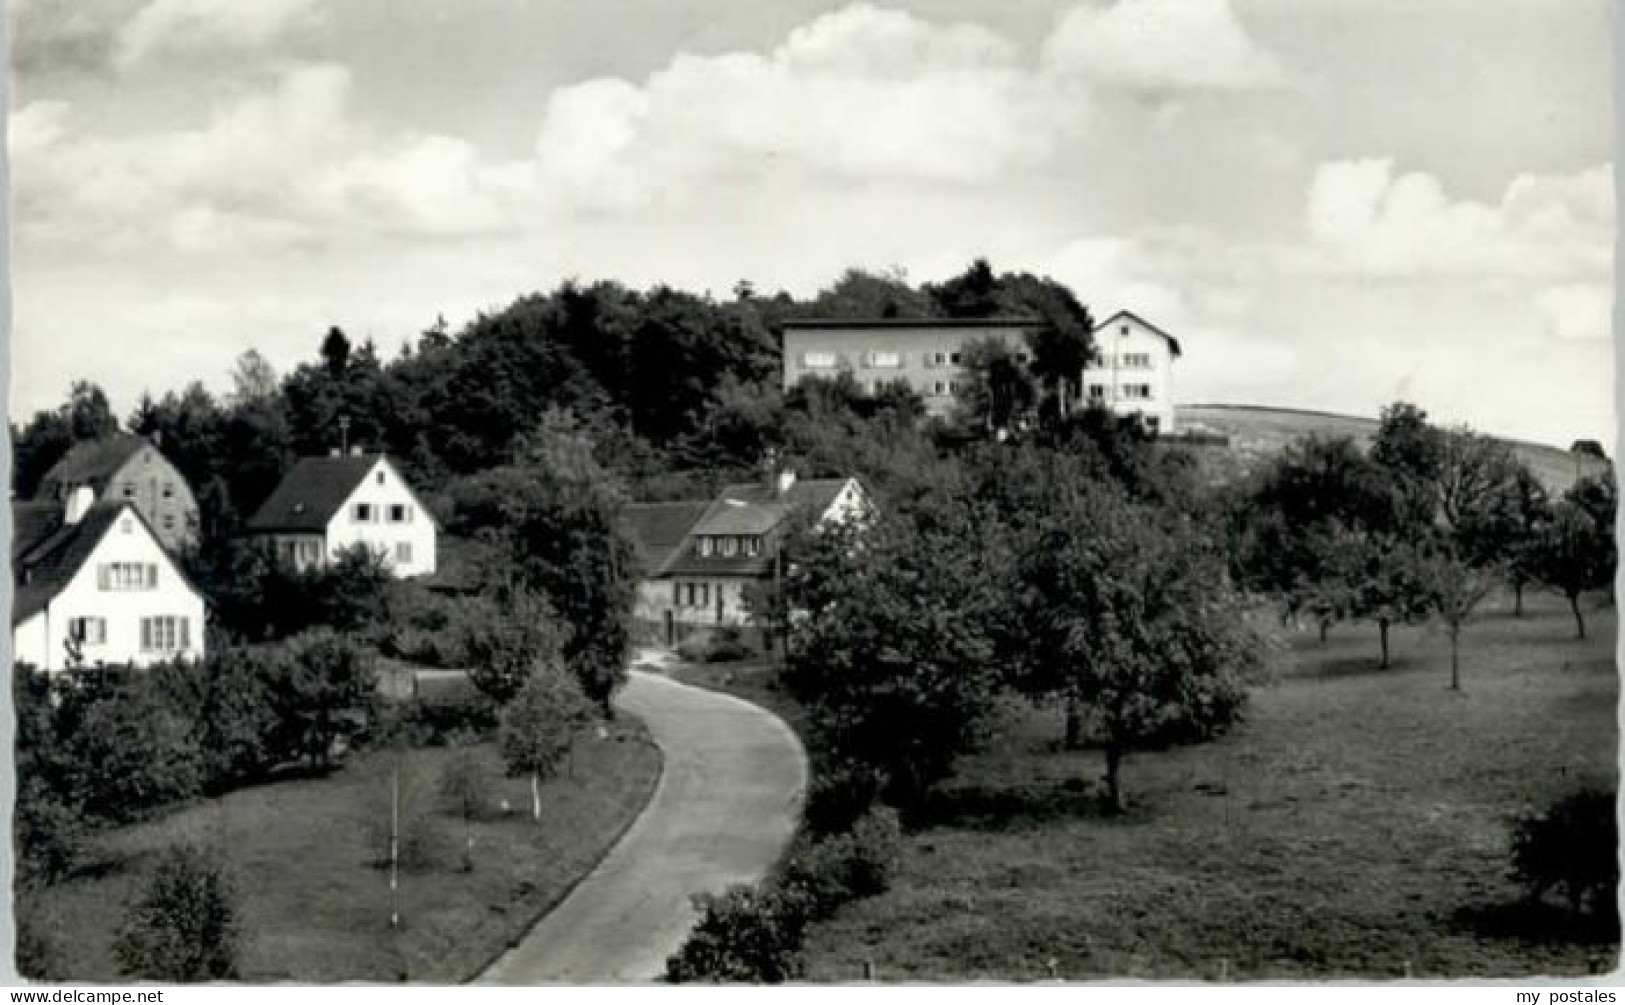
{"x":725,"y":807}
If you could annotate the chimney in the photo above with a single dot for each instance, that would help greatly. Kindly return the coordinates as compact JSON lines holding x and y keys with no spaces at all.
{"x":783,"y":481}
{"x":79,"y":501}
{"x":334,"y":452}
{"x":356,"y":451}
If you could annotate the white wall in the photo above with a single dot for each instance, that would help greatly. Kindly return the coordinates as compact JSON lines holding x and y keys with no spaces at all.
{"x":40,"y":640}
{"x":1113,"y":344}
{"x":382,"y":488}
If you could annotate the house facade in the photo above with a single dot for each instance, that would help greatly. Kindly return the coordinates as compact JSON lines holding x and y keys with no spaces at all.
{"x":127,"y":468}
{"x":95,"y":586}
{"x":703,"y":561}
{"x":325,"y":505}
{"x":1134,"y":373}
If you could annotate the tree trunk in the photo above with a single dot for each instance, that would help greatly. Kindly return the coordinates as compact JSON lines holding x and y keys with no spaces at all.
{"x":1382,"y":633}
{"x":1324,"y":626}
{"x":1074,"y":725}
{"x":1114,"y":790}
{"x":1517,"y":599}
{"x":536,"y":796}
{"x":1455,"y":658}
{"x":1579,"y":619}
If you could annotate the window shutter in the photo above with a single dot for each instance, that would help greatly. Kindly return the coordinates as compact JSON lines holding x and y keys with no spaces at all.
{"x":146,"y":634}
{"x":104,"y":576}
{"x":152,"y":576}
{"x":186,"y":630}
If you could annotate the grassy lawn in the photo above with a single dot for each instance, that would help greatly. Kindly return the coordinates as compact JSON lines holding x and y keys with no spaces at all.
{"x":1355,"y":825}
{"x":314,"y":906}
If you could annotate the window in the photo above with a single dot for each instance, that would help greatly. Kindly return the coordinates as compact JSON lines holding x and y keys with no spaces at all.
{"x":310,"y":551}
{"x":953,"y":358}
{"x":379,"y":478}
{"x":936,"y":359}
{"x":730,"y":546}
{"x":1152,"y":423}
{"x":939,"y":388}
{"x":953,"y":385}
{"x":165,"y":634}
{"x":169,"y":521}
{"x":705,"y":594}
{"x":1123,"y":330}
{"x":676,"y":594}
{"x":129,"y":490}
{"x":1097,"y":392}
{"x":363,"y":512}
{"x":399,"y":513}
{"x":403,"y":552}
{"x":127,"y":576}
{"x":887,"y":360}
{"x":704,"y":547}
{"x":88,"y":631}
{"x":1137,"y":360}
{"x":1137,"y":392}
{"x":818,"y":360}
{"x":126,"y":525}
{"x":169,"y":490}
{"x":753,"y":546}
{"x":1021,"y":357}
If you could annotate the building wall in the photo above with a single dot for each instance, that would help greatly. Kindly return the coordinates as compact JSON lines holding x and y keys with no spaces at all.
{"x":917,"y":349}
{"x":381,"y":489}
{"x":41,"y":639}
{"x":160,"y":492}
{"x":1119,"y":343}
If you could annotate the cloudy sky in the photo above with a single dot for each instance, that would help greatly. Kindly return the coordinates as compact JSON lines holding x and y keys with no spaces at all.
{"x":1333,"y":204}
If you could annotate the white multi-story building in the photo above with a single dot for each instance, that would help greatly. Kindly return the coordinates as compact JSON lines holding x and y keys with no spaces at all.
{"x":328,"y":504}
{"x":95,"y":587}
{"x":1134,"y":373}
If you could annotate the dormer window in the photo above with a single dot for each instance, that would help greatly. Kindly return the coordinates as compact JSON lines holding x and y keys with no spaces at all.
{"x":753,"y":546}
{"x":704,"y":547}
{"x":730,"y":547}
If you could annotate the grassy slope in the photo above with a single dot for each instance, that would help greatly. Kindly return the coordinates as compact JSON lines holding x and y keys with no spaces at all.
{"x":1257,"y":432}
{"x":1355,"y":825}
{"x":316,"y":911}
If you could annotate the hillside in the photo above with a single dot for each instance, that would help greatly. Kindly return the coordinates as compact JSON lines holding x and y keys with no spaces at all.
{"x":1257,"y":432}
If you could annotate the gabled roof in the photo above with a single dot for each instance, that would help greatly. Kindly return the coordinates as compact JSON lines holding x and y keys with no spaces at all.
{"x":749,"y":509}
{"x":993,"y":322}
{"x":311,"y":493}
{"x":91,"y":462}
{"x":658,"y":529}
{"x":1173,"y":343}
{"x":43,"y":570}
{"x":32,"y":521}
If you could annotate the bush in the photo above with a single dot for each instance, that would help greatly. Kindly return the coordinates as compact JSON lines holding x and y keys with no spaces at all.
{"x":846,"y":867}
{"x":838,"y":798}
{"x":49,"y":835}
{"x":748,"y":935}
{"x":184,"y":926}
{"x":131,"y":754}
{"x":1571,"y":848}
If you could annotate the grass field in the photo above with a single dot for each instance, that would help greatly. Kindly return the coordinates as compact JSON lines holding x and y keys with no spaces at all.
{"x":1257,"y":433}
{"x":314,"y":906}
{"x":1356,"y":825}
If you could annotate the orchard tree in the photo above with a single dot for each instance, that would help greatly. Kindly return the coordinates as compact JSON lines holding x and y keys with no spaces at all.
{"x":1388,"y":582}
{"x":1456,"y":586}
{"x":539,"y":726}
{"x":1574,"y":553}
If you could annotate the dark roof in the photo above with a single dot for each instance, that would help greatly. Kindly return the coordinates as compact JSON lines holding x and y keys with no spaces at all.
{"x":312,"y":492}
{"x":749,"y":509}
{"x":31,"y":523}
{"x":1173,"y":343}
{"x":92,"y":462}
{"x":51,"y":564}
{"x":657,"y":529}
{"x":996,"y":322}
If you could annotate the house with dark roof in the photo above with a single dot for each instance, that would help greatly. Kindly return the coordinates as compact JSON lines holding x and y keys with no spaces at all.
{"x":129,"y":468}
{"x":95,"y":586}
{"x":1133,"y":372}
{"x":325,"y":505}
{"x":701,"y":560}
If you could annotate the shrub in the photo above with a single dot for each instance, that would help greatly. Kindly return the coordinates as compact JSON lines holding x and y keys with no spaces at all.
{"x":747,"y":935}
{"x":49,"y":834}
{"x":131,"y":754}
{"x":184,"y":926}
{"x":846,"y":867}
{"x":838,"y":797}
{"x":1571,"y":848}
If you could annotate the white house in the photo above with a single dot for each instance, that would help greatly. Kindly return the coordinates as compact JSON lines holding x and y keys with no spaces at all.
{"x":701,"y":560}
{"x":96,"y":587}
{"x":328,"y":504}
{"x":1135,"y":370}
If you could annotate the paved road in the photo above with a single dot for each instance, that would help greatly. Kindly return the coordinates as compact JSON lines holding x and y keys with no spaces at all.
{"x":725,"y":806}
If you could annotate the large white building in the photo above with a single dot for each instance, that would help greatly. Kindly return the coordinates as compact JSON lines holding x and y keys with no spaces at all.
{"x":326,"y":505}
{"x":1134,"y":373}
{"x":96,"y":587}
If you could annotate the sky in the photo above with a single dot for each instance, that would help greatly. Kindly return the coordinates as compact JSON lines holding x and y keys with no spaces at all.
{"x":1332,"y":205}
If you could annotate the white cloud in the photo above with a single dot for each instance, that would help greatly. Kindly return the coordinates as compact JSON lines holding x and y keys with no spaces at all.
{"x":167,"y":27}
{"x":1581,"y":312}
{"x":1162,"y":45}
{"x":1383,"y":224}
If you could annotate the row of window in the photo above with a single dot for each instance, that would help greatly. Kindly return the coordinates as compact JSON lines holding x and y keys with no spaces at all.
{"x":1128,"y":392}
{"x":119,"y":576}
{"x":727,"y":546}
{"x":309,"y":550}
{"x":370,"y":513}
{"x":692,"y":594}
{"x":165,"y":633}
{"x":1125,"y":361}
{"x":886,"y":360}
{"x":130,"y":490}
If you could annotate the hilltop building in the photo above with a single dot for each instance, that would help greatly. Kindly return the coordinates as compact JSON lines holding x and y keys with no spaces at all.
{"x":128,"y":468}
{"x":1134,"y":373}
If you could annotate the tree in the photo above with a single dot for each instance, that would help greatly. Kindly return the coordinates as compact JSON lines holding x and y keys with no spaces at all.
{"x":1411,"y":452}
{"x":860,"y":294}
{"x":253,"y":379}
{"x":466,"y":784}
{"x":335,"y":352}
{"x":502,"y":638}
{"x":184,"y":927}
{"x":130,"y":751}
{"x":973,"y":293}
{"x":1388,"y":581}
{"x":1127,"y":613}
{"x":1573,"y":554}
{"x":318,"y":684}
{"x":1456,"y":586}
{"x":539,"y":726}
{"x":996,"y":392}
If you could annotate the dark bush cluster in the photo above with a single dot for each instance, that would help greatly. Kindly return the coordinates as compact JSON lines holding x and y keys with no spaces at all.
{"x":754,"y":934}
{"x":1571,"y":849}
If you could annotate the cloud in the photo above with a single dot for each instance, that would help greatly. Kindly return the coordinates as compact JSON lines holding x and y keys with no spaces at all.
{"x":1579,"y":312}
{"x":858,"y":95}
{"x":1384,"y":224}
{"x":167,"y":27}
{"x":1161,"y":45}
